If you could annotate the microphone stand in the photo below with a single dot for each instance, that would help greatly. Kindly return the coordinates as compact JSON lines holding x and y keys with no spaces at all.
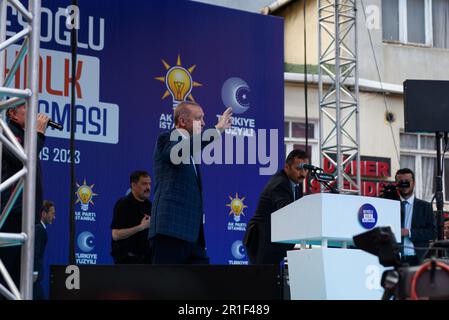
{"x":325,"y":181}
{"x":439,"y":188}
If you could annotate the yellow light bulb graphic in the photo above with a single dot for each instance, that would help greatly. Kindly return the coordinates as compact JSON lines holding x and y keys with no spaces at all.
{"x":237,"y":206}
{"x":85,"y":194}
{"x":179,"y":83}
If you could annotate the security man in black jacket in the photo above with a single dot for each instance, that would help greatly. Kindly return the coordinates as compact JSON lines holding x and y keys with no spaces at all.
{"x":282,"y":189}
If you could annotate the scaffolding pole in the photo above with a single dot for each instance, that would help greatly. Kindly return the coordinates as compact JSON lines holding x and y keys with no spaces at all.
{"x":27,"y":155}
{"x":339,"y":105}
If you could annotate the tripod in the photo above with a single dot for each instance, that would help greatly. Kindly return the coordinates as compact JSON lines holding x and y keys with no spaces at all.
{"x":439,"y":183}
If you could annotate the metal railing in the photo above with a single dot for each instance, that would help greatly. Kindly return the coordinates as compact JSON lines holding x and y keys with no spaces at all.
{"x":24,"y":179}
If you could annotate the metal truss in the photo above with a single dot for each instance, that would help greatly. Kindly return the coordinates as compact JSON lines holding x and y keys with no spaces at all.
{"x":339,"y":105}
{"x":26,"y":177}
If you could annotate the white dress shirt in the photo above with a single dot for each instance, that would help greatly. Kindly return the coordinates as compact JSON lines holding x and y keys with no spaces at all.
{"x":409,"y":247}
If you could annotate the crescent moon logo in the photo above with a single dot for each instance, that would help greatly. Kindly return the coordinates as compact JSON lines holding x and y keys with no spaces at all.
{"x":238,"y":250}
{"x":85,"y":241}
{"x":235,"y":93}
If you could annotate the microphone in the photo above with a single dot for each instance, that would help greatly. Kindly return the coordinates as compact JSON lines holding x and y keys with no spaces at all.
{"x":309,"y":167}
{"x":325,"y":177}
{"x":55,"y":125}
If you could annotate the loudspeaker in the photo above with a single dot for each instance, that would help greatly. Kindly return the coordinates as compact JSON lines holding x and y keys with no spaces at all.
{"x":426,"y":106}
{"x":165,"y":282}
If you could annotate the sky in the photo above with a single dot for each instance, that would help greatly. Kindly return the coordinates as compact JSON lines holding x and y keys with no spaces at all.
{"x":246,"y":5}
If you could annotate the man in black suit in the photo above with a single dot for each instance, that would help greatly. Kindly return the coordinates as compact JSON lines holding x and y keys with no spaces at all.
{"x":48,"y":213}
{"x":11,"y":256}
{"x":282,"y":189}
{"x":417,"y":219}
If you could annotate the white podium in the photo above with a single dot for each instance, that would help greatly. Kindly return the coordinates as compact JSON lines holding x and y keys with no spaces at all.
{"x":332,"y":220}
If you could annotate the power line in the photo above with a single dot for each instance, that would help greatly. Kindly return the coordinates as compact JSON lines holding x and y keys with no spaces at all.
{"x":381,"y":86}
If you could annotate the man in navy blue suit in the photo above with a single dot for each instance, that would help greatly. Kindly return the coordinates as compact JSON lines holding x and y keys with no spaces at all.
{"x":176,"y":227}
{"x":48,"y":213}
{"x":417,"y":219}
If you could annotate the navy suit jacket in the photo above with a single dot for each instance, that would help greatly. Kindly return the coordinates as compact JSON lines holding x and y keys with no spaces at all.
{"x":177,"y":209}
{"x":423,"y":225}
{"x":40,"y":243}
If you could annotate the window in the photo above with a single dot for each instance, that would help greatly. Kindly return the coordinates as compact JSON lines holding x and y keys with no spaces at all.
{"x":418,"y":153}
{"x":295,"y":138}
{"x":390,"y":20}
{"x":423,"y":22}
{"x":440,"y":23}
{"x":416,"y":22}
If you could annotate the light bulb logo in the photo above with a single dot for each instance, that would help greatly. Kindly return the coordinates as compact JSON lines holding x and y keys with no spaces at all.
{"x":237,"y":207}
{"x":179,"y":82}
{"x":85,"y":194}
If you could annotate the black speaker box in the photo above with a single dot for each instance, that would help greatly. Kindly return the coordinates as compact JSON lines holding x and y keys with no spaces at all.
{"x":426,"y":106}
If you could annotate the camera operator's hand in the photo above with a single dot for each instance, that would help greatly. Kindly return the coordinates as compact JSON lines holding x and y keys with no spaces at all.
{"x":405,"y":232}
{"x":42,"y":121}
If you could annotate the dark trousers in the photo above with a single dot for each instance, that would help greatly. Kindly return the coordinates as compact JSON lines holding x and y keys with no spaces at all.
{"x":132,"y":259}
{"x":11,"y":255}
{"x":38,"y":290}
{"x":269,"y":253}
{"x":410,"y":260}
{"x":170,"y":250}
{"x":261,"y":250}
{"x":11,"y":259}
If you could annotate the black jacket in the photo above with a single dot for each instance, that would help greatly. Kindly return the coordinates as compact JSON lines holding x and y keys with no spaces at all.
{"x":423,"y":225}
{"x":277,"y":194}
{"x":10,"y":166}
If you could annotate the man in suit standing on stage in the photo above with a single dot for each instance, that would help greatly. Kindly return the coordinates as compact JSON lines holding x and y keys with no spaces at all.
{"x":176,"y":227}
{"x":417,"y":219}
{"x":48,"y":214}
{"x":282,"y":189}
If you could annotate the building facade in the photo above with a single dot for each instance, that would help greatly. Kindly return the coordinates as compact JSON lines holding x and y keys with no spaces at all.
{"x":397,"y":40}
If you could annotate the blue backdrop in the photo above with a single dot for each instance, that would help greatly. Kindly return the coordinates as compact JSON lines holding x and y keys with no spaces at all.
{"x":126,"y":51}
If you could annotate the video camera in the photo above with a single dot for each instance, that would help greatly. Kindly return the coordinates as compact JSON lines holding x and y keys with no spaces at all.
{"x":429,"y":280}
{"x":390,"y":190}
